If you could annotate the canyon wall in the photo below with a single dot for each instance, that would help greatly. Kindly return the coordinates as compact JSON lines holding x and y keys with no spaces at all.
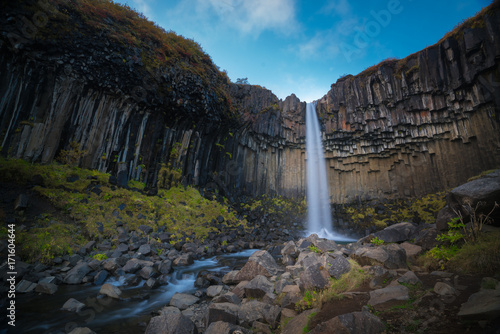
{"x":402,"y":128}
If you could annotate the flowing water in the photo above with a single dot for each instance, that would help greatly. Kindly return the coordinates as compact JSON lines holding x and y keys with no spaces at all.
{"x":319,"y":216}
{"x":42,"y":314}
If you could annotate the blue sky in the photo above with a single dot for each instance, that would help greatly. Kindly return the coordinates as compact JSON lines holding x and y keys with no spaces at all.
{"x":303,"y":46}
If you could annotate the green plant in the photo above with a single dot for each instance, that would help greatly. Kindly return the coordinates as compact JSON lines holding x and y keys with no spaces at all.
{"x":72,"y":155}
{"x":376,"y":241}
{"x":100,"y":256}
{"x":307,"y":301}
{"x":314,"y":249}
{"x":224,"y":243}
{"x":477,"y":219}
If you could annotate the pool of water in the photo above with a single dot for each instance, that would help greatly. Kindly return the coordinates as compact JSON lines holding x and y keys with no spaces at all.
{"x":41,"y":313}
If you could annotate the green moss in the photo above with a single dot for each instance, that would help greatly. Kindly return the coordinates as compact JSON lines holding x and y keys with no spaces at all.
{"x":100,"y":257}
{"x":179,"y":210}
{"x":486,"y":172}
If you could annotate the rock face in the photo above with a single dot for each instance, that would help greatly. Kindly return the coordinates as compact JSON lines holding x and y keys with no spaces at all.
{"x":403,"y":128}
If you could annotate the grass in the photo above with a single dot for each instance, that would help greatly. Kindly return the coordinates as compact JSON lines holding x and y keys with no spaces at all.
{"x":94,"y":207}
{"x":482,"y":256}
{"x":347,"y":282}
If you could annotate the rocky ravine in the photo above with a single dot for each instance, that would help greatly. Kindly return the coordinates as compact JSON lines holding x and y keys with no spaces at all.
{"x":404,"y":128}
{"x":274,"y":290}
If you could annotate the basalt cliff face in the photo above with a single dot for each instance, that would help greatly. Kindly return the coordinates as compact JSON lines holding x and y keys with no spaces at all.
{"x":403,"y":128}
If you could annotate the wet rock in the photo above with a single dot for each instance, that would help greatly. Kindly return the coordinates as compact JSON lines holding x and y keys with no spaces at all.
{"x":260,"y":263}
{"x":152,"y":283}
{"x":225,"y":312}
{"x":112,"y":264}
{"x":351,"y":323}
{"x":72,"y":305}
{"x":397,"y":292}
{"x":110,"y":291}
{"x":258,"y":287}
{"x":221,"y":327}
{"x":184,"y":260}
{"x":133,"y":265}
{"x":396,"y":233}
{"x":25,"y":286}
{"x":101,"y":277}
{"x":171,"y":324}
{"x":46,"y":288}
{"x":183,"y":300}
{"x":148,"y":272}
{"x":165,"y":267}
{"x":76,"y":275}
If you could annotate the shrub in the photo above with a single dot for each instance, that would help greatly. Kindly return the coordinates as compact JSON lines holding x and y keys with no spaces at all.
{"x":376,"y":241}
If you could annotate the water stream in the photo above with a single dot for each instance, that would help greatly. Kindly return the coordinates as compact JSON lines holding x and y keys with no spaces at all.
{"x":319,"y":216}
{"x":41,"y":313}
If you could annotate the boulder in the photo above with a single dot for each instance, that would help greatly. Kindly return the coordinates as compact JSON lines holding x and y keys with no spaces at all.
{"x":291,"y":295}
{"x":165,"y":267}
{"x":25,"y":286}
{"x":226,"y":312}
{"x":412,"y":251}
{"x":258,"y":311}
{"x":101,"y":277}
{"x":171,"y":324}
{"x":152,"y":283}
{"x":228,"y":297}
{"x":46,"y":288}
{"x":184,"y":260}
{"x":289,"y":253}
{"x":148,"y":272}
{"x":351,"y":323}
{"x":169,"y":310}
{"x":214,"y":290}
{"x":183,"y":300}
{"x":230,"y":277}
{"x":221,"y":327}
{"x":396,"y":233}
{"x":444,"y":289}
{"x":445,"y":215}
{"x":409,"y":278}
{"x":260,"y":263}
{"x":76,"y":275}
{"x":485,"y":189}
{"x":335,"y":265}
{"x":296,"y":325}
{"x":133,"y":265}
{"x":482,"y":305}
{"x":395,"y":292}
{"x":391,"y":256}
{"x":113,"y":264}
{"x":73,"y":305}
{"x":427,"y":238}
{"x":258,"y":287}
{"x":144,"y":250}
{"x":110,"y":291}
{"x":314,"y":278}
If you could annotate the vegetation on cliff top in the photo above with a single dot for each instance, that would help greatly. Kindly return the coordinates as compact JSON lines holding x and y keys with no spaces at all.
{"x":400,"y":65}
{"x":95,"y":208}
{"x":146,"y":44}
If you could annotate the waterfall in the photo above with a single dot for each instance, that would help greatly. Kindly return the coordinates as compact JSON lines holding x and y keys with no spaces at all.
{"x":319,"y":216}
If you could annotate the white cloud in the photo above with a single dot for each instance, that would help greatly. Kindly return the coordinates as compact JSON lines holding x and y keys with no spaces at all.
{"x":255,"y":16}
